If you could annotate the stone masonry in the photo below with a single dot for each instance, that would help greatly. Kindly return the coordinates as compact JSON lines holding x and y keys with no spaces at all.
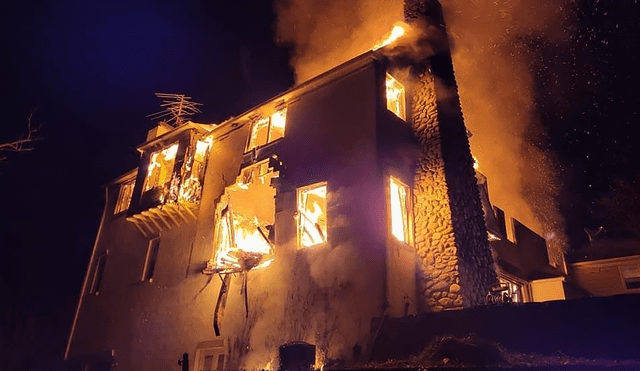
{"x":455,"y":265}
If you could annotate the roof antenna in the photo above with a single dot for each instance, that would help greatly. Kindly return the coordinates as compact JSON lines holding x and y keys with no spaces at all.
{"x":176,"y":109}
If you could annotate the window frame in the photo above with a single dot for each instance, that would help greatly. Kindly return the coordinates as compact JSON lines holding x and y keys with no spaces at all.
{"x":269,"y":139}
{"x":151,"y":260}
{"x":299,"y":192}
{"x":210,"y":348}
{"x":98,"y":273}
{"x":409,"y":232}
{"x":402,"y":99}
{"x":120,"y":206}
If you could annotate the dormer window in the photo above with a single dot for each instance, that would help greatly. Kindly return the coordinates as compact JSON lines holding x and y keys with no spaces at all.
{"x":160,"y":168}
{"x":267,"y":129}
{"x":395,"y":97}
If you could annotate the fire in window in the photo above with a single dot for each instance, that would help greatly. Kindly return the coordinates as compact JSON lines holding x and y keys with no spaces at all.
{"x":245,"y":221}
{"x":399,"y":205}
{"x":312,"y":215}
{"x":395,"y":97}
{"x":160,"y":168}
{"x":193,"y":172}
{"x":124,"y":197}
{"x":267,"y":129}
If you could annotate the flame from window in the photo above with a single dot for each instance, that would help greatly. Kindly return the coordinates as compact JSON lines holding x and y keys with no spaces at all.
{"x":267,"y":129}
{"x":398,"y":192}
{"x":395,"y":97}
{"x":312,"y":215}
{"x":191,"y":187}
{"x":245,"y":219}
{"x":160,"y":167}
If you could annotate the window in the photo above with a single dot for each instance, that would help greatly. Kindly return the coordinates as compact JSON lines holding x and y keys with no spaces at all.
{"x":160,"y":168}
{"x":98,"y":273}
{"x":245,"y":219}
{"x":395,"y":97}
{"x":150,"y":260}
{"x":193,"y":172}
{"x":210,"y":356}
{"x":514,"y":290}
{"x":124,"y":197}
{"x":399,"y":207}
{"x":267,"y":129}
{"x":631,"y":276}
{"x":312,"y":215}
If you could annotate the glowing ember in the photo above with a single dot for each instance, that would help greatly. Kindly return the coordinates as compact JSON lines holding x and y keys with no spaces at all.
{"x":398,"y":30}
{"x":476,"y":164}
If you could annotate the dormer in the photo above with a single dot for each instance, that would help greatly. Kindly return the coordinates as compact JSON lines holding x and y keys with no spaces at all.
{"x":170,"y":176}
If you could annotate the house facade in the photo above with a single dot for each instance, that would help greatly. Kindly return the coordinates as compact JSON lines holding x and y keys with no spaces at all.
{"x":305,"y":220}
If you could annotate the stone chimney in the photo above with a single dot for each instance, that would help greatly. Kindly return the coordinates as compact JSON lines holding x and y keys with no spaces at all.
{"x":455,"y":265}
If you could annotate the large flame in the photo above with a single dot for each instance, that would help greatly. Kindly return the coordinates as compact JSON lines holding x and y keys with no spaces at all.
{"x":398,"y":30}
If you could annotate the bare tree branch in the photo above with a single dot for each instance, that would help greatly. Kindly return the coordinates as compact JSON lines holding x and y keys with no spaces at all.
{"x":25,"y":142}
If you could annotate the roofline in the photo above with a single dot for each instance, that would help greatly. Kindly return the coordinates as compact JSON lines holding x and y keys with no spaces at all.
{"x":604,"y":261}
{"x":295,"y":92}
{"x":131,"y":174}
{"x":202,"y":128}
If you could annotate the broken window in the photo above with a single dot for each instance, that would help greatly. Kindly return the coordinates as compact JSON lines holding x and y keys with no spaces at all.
{"x":193,"y":171}
{"x":150,"y":261}
{"x":245,"y":221}
{"x":312,"y":215}
{"x":266,"y":130}
{"x":160,"y":168}
{"x":631,"y":276}
{"x":395,"y":97}
{"x":124,"y":197}
{"x":399,"y":205}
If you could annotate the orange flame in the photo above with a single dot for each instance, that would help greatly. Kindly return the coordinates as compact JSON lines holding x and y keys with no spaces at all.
{"x":398,"y":30}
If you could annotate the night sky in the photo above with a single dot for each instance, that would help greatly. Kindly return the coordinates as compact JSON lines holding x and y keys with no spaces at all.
{"x":89,"y":69}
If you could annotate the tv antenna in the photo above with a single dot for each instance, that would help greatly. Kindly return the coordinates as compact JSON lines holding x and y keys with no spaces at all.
{"x":176,"y":109}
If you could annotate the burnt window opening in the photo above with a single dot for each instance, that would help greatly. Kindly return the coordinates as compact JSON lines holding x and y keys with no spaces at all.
{"x":98,"y":274}
{"x":312,"y":215}
{"x":631,"y":276}
{"x":399,"y":209}
{"x":150,"y":260}
{"x":160,"y":169}
{"x":395,"y":97}
{"x":194,"y":170}
{"x":124,"y":197}
{"x":267,"y":129}
{"x":245,"y":221}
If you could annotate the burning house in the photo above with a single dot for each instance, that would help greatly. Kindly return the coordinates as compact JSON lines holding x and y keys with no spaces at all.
{"x":307,"y":219}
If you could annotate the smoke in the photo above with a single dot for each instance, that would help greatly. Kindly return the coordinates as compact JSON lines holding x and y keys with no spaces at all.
{"x":324,"y":34}
{"x":493,"y":58}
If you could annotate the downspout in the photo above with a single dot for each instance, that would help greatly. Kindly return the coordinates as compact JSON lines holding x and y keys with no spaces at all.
{"x":86,"y":277}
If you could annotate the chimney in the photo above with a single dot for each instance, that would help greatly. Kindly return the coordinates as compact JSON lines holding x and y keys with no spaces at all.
{"x":455,"y":263}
